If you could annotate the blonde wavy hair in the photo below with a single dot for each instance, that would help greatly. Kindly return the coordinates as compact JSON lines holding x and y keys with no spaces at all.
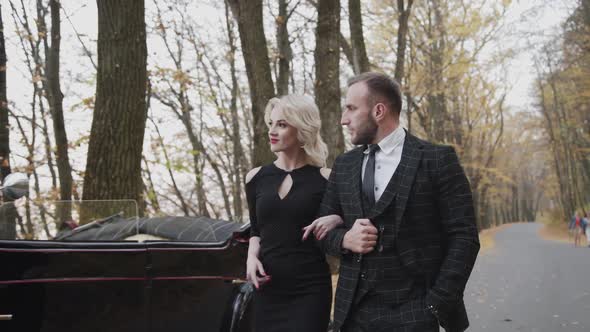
{"x":302,"y":113}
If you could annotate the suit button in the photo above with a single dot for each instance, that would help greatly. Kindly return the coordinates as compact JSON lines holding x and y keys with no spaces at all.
{"x":358,"y":258}
{"x":363,"y":275}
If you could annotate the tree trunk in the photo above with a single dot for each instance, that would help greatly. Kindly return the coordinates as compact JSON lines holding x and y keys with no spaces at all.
{"x":150,"y":189}
{"x":327,"y":78}
{"x":55,"y":98}
{"x":585,"y":5}
{"x":475,"y":205}
{"x":347,"y":50}
{"x":113,"y":167}
{"x":177,"y":192}
{"x":198,"y":149}
{"x":48,"y":149}
{"x":284,"y":47}
{"x":553,"y":143}
{"x":345,"y":47}
{"x":239,"y":169}
{"x":410,"y":107}
{"x":482,"y":209}
{"x":182,"y":108}
{"x":7,"y":209}
{"x":436,"y":96}
{"x":4,"y":130}
{"x":402,"y":32}
{"x":27,"y":229}
{"x":357,"y":39}
{"x":248,"y":14}
{"x":515,"y":203}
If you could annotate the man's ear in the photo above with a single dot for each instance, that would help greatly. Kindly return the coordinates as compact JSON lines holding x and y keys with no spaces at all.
{"x":379,"y":110}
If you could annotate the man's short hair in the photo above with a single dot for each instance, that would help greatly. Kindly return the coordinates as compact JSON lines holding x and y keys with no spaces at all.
{"x":381,"y":88}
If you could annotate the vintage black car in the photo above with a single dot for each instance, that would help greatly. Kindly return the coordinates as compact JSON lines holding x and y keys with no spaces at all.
{"x":188,"y":275}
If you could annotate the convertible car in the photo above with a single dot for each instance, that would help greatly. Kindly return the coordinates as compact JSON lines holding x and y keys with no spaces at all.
{"x":128,"y":274}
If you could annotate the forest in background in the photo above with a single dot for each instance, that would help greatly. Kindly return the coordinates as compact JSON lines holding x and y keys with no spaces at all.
{"x":164,"y":103}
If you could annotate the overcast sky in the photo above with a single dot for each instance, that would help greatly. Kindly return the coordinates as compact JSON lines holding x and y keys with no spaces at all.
{"x":527,"y":19}
{"x":524,"y":17}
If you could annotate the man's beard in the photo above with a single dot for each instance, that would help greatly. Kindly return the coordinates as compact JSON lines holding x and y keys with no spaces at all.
{"x":366,"y":133}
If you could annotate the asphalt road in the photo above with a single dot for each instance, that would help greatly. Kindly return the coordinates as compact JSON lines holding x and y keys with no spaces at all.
{"x":529,"y":284}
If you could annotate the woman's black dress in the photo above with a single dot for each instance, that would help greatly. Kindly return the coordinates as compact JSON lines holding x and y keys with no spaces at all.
{"x":298,"y":296}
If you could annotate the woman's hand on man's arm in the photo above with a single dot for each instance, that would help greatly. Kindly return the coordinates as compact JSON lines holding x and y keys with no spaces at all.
{"x":321,"y":226}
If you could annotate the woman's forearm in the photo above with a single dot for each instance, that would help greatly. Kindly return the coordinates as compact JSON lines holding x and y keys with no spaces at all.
{"x":254,"y":246}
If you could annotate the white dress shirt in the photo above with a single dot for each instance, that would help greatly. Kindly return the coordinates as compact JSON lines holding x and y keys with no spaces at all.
{"x":387,"y":159}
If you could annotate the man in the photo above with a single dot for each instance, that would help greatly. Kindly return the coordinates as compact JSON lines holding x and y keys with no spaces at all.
{"x":409,"y":238}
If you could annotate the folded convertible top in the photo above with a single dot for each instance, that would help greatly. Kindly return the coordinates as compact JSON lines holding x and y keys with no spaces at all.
{"x":190,"y":229}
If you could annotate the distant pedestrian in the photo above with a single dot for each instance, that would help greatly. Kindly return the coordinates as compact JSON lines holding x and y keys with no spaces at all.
{"x":586,"y":223}
{"x":577,"y":229}
{"x":572,"y":224}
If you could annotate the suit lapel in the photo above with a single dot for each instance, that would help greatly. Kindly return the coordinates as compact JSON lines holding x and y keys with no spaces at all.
{"x":356,"y":198}
{"x":411,"y":156}
{"x":408,"y":165}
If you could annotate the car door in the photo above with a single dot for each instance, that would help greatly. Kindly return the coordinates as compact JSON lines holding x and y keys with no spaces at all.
{"x":49,"y":286}
{"x":198,"y":286}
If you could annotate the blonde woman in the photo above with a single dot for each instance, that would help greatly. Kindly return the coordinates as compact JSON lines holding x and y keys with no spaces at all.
{"x":288,"y":270}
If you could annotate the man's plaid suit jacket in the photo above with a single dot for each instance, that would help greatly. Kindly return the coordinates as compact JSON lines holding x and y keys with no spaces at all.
{"x":434,"y":230}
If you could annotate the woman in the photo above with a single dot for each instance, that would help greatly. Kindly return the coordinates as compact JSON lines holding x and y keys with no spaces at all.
{"x":586,"y":227}
{"x":290,"y":273}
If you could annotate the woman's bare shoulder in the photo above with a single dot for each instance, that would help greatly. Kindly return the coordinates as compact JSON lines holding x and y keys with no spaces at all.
{"x":252,"y":173}
{"x":326,"y":172}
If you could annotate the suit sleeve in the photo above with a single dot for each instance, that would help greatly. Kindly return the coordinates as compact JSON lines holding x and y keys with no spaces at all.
{"x":455,"y":204}
{"x":332,"y":242}
{"x":251,"y":199}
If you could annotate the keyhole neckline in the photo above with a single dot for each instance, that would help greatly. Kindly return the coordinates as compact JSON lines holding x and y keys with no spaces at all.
{"x":290,"y":171}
